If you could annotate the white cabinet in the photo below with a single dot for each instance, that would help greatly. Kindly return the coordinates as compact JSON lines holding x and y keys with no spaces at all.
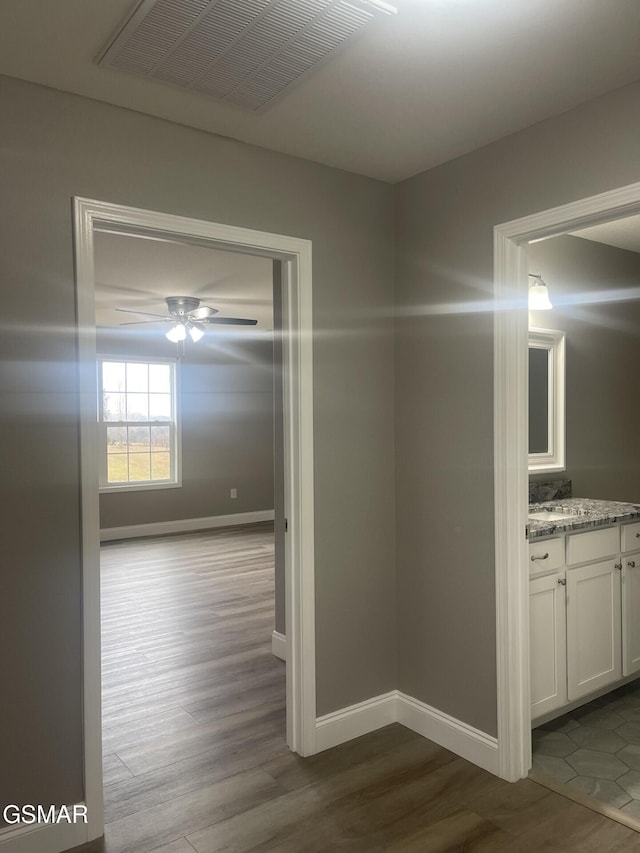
{"x":630,"y":613}
{"x":546,"y":555}
{"x":630,"y":542}
{"x":584,"y":614}
{"x":630,"y":537}
{"x":594,"y":639}
{"x":547,"y":631}
{"x":592,"y":545}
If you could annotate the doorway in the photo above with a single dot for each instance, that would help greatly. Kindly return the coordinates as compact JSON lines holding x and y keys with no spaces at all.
{"x":294,"y":256}
{"x":510,"y":454}
{"x":191,"y":691}
{"x":583,"y":732}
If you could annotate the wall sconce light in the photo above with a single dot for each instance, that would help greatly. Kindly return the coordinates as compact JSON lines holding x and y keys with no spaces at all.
{"x":538,"y":294}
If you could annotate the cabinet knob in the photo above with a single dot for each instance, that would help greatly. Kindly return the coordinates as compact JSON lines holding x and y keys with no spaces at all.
{"x":631,"y":563}
{"x":543,"y":557}
{"x":637,"y":535}
{"x":562,"y":581}
{"x":618,"y":566}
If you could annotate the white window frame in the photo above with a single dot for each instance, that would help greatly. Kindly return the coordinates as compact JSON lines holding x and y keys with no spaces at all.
{"x":175,"y":431}
{"x":553,"y":459}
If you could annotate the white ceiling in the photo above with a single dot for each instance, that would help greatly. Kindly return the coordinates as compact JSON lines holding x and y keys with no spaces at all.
{"x":621,"y":233}
{"x":437,"y":80}
{"x":136,"y":273}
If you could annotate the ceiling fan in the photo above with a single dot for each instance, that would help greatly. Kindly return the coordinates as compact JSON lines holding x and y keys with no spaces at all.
{"x":188,"y":318}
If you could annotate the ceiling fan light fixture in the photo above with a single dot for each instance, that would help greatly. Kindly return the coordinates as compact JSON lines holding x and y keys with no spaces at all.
{"x":189,"y":318}
{"x":538,"y":294}
{"x":177,"y":333}
{"x":196,"y":331}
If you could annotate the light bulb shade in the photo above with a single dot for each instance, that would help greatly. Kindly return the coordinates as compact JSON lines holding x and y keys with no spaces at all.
{"x":539,"y":298}
{"x":176,"y":333}
{"x":538,"y":293}
{"x":196,"y":331}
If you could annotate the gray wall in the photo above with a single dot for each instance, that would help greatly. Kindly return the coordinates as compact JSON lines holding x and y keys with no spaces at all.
{"x":444,"y":381}
{"x":226,"y":403}
{"x":54,"y":147}
{"x":603,"y":352}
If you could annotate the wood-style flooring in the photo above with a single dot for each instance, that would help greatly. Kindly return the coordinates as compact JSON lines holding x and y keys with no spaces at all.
{"x":194,"y":733}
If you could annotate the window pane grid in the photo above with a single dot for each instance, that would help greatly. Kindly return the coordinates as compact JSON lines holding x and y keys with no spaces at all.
{"x":138,"y":413}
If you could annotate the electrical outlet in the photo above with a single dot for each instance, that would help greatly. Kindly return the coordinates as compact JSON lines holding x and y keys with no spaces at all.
{"x":234,"y":493}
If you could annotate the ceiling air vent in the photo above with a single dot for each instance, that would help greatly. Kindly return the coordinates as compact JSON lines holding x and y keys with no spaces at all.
{"x":243,"y":52}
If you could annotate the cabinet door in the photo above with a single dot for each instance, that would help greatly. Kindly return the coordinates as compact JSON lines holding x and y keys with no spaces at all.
{"x":630,"y":613}
{"x":548,"y":648}
{"x":593,"y":628}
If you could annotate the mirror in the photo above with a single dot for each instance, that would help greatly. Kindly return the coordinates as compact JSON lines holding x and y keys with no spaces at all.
{"x":546,"y":400}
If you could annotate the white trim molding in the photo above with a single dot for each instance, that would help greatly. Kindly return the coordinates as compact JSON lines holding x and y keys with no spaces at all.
{"x":297,"y":374}
{"x":396,"y":707}
{"x":184,"y":525}
{"x":43,"y":838}
{"x":466,"y":741}
{"x":279,"y":645}
{"x":511,"y":451}
{"x":356,"y":720}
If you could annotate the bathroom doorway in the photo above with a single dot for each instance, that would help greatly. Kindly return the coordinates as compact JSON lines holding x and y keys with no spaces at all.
{"x":511,"y":267}
{"x":589,"y":746}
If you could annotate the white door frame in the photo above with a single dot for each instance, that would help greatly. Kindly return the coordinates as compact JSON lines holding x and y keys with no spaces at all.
{"x":295,"y":253}
{"x":510,"y":454}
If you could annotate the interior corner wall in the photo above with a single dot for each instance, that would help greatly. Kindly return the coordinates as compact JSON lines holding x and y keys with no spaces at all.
{"x":444,"y":383}
{"x":596,"y":297}
{"x":226,"y":413}
{"x":57,"y":146}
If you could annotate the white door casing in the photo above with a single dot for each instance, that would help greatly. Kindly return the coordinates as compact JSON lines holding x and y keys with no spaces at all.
{"x":295,"y":253}
{"x":510,"y":454}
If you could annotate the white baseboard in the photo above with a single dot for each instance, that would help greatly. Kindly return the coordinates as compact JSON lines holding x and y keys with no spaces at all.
{"x":184,"y":525}
{"x":42,"y":838}
{"x":348,"y":723}
{"x":279,"y":645}
{"x":469,"y":743}
{"x":466,"y":741}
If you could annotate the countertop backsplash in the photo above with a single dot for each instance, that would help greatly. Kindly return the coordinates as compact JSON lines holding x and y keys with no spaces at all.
{"x":552,"y":490}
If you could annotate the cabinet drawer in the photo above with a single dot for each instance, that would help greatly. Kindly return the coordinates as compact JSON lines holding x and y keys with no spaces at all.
{"x":630,"y":538}
{"x":546,"y":556}
{"x":593,"y":545}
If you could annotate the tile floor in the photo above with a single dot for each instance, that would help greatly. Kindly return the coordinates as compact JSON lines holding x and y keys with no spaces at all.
{"x":595,"y":749}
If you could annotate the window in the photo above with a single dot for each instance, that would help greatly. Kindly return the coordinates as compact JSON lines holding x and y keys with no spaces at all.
{"x":138,"y":424}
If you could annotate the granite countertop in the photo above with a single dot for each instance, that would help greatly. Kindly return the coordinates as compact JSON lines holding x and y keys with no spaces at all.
{"x":585,"y":513}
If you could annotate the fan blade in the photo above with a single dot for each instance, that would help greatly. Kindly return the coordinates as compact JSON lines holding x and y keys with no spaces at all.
{"x":202,"y":313}
{"x":231,"y":321}
{"x":144,"y":322}
{"x":145,"y":313}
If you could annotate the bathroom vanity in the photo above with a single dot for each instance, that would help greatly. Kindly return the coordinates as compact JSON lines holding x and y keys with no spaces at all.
{"x":584,"y":595}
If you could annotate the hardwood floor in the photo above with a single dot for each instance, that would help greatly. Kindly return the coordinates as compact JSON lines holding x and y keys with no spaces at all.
{"x":194,"y":722}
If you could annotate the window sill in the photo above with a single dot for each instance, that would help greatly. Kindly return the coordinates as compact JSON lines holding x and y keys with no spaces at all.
{"x":138,"y":487}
